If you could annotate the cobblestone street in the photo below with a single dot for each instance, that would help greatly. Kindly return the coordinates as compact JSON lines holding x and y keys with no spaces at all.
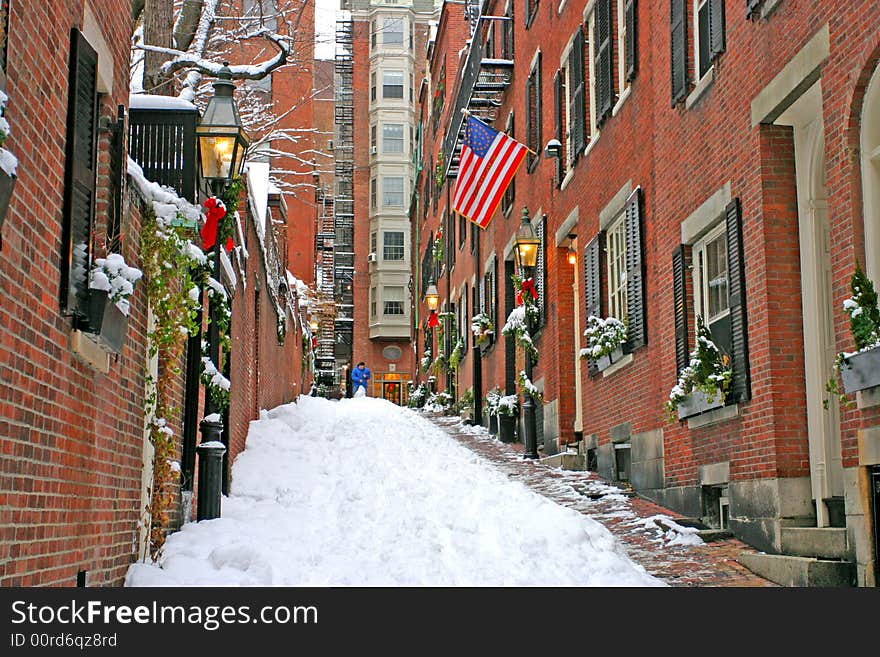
{"x":632,"y":520}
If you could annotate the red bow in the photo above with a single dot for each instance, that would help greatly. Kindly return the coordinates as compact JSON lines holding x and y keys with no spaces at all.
{"x":215,"y":211}
{"x":527,"y":285}
{"x":433,"y":320}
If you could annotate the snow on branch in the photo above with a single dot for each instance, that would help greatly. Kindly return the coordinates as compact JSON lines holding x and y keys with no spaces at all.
{"x":183,"y":60}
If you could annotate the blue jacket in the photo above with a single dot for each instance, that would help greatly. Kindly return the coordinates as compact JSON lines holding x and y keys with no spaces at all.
{"x":360,"y":377}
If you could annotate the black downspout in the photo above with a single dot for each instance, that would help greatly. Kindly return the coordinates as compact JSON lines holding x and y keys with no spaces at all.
{"x":478,"y":357}
{"x":227,"y":371}
{"x":191,"y":404}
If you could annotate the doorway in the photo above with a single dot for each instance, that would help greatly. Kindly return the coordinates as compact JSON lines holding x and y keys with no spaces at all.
{"x":814,"y":232}
{"x":391,"y":390}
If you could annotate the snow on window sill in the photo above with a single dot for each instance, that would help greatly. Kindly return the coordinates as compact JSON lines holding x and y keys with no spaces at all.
{"x":569,"y":174}
{"x":593,"y":139}
{"x":704,"y":83}
{"x":768,"y":8}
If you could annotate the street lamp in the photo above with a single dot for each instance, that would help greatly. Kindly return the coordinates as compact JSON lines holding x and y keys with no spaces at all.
{"x":432,"y":296}
{"x":222,"y":146}
{"x":525,"y":250}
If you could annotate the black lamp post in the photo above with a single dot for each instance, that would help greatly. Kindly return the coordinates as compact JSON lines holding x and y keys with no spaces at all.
{"x":222,"y":146}
{"x":432,"y":299}
{"x":525,"y":250}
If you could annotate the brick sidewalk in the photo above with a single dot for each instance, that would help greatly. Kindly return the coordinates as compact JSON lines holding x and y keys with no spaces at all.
{"x":638,"y":524}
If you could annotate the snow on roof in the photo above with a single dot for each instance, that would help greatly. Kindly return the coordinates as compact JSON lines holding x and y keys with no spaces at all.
{"x":258,"y":189}
{"x":152,"y":101}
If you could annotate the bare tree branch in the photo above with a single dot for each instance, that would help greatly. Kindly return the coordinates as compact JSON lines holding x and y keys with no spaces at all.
{"x":187,"y":23}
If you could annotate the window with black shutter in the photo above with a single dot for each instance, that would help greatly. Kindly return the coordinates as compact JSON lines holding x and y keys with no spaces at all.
{"x":593,"y":253}
{"x":531,"y":9}
{"x":678,"y":49}
{"x":630,"y":63}
{"x":80,"y":175}
{"x":604,"y":61}
{"x":507,"y":32}
{"x":462,"y":231}
{"x":465,"y":333}
{"x":541,"y":272}
{"x":681,"y":262}
{"x":577,"y":108}
{"x":709,"y":35}
{"x":753,"y":9}
{"x":509,"y":196}
{"x":559,"y":122}
{"x":637,"y":335}
{"x":533,"y":114}
{"x":740,"y":387}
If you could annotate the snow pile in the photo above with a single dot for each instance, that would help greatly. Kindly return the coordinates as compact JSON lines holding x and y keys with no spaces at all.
{"x":670,"y":531}
{"x":362,"y":492}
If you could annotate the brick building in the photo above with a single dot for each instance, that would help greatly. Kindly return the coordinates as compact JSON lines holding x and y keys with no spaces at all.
{"x":714,"y":160}
{"x":76,"y":464}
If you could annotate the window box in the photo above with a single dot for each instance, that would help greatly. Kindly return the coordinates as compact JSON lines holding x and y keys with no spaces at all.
{"x":507,"y":428}
{"x":604,"y":362}
{"x":7,"y":183}
{"x":861,"y":370}
{"x":698,"y":402}
{"x":106,"y":322}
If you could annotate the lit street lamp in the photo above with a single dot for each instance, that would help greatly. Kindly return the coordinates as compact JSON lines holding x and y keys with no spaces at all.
{"x":525,"y":250}
{"x":222,"y":146}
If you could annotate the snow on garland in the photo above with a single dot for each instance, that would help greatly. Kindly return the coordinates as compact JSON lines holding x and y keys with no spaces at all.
{"x":604,"y":336}
{"x":517,"y":328}
{"x":482,"y":327}
{"x":528,"y":387}
{"x":117,"y":279}
{"x":708,"y":372}
{"x":8,"y":162}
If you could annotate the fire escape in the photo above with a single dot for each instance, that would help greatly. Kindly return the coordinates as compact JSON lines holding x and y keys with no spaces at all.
{"x":483,"y":80}
{"x":343,"y":225}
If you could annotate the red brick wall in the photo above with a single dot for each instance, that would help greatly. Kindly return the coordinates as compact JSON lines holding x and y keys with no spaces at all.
{"x":680,"y":157}
{"x":71,"y":439}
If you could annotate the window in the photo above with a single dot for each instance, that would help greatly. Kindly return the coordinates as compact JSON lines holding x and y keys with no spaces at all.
{"x":507,"y":200}
{"x":373,"y":194}
{"x":393,"y":298}
{"x":533,"y":114}
{"x":626,"y":40}
{"x":372,"y":302}
{"x":615,"y":265}
{"x":462,"y":231}
{"x":393,"y":245}
{"x":392,"y":138}
{"x":373,"y":31}
{"x":464,"y":325}
{"x":372,"y":138}
{"x":489,"y":297}
{"x":392,"y":191}
{"x":373,"y":85}
{"x":372,"y":242}
{"x":392,"y":84}
{"x":711,"y":286}
{"x":570,"y":106}
{"x":80,"y":175}
{"x":541,"y":271}
{"x":708,"y":34}
{"x":392,"y":33}
{"x":531,"y":9}
{"x":507,"y":32}
{"x":601,"y":64}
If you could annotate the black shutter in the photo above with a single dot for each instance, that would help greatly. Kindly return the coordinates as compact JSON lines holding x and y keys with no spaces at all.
{"x":558,"y":109}
{"x":630,"y":21}
{"x":530,"y":82}
{"x":678,"y":49}
{"x":741,"y":384}
{"x":493,"y":299}
{"x":680,"y":266}
{"x":593,"y":284}
{"x":637,"y":333}
{"x":716,"y":28}
{"x":80,"y":170}
{"x":541,"y":270}
{"x":604,"y":61}
{"x":578,"y":108}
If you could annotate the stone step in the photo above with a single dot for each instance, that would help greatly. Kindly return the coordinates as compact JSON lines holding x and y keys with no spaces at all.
{"x":799,"y":571}
{"x":825,"y":542}
{"x":710,"y":535}
{"x":566,"y":461}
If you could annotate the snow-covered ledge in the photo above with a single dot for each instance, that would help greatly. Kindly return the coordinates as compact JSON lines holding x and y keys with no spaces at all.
{"x":616,"y":367}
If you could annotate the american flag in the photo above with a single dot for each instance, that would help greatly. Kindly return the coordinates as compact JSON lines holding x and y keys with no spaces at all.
{"x":489,"y":159}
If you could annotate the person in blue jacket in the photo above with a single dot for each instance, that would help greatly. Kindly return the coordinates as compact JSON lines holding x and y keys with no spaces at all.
{"x":359,"y":376}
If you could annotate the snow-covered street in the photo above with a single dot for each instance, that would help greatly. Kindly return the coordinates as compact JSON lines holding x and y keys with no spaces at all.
{"x":362,"y":492}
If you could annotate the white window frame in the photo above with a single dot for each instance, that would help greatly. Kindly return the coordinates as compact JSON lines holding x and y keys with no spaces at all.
{"x":701,"y":286}
{"x":615,"y":266}
{"x":622,"y":84}
{"x":386,"y":301}
{"x":591,"y":34}
{"x":372,"y":301}
{"x":385,"y":31}
{"x":386,"y":140}
{"x":385,"y":180}
{"x":696,"y":32}
{"x":389,"y":71}
{"x":386,"y":245}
